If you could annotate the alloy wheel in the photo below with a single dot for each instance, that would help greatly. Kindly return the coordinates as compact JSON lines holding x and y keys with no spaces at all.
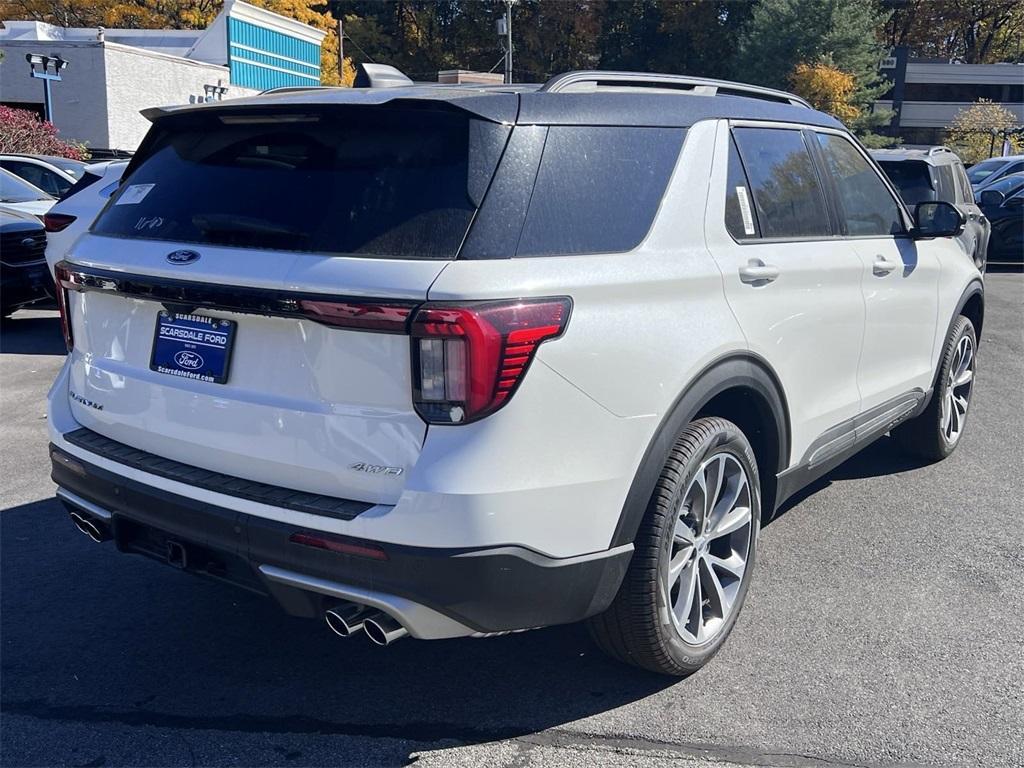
{"x":709,"y":549}
{"x":959,"y":385}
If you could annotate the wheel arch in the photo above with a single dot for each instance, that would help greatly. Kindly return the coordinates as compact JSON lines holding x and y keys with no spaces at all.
{"x":740,"y":387}
{"x":971,"y":306}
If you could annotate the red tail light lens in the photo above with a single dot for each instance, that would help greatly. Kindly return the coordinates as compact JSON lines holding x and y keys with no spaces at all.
{"x":55,"y":222}
{"x":387,"y":318}
{"x":61,"y":274}
{"x":469,"y":359}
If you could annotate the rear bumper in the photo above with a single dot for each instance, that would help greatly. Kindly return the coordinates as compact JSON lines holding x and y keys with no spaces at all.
{"x":433,"y":592}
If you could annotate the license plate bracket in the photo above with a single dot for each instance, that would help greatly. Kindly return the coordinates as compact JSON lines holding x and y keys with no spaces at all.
{"x":193,"y":346}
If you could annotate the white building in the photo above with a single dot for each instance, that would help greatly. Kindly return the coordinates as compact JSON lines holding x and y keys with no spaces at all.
{"x":927,"y":95}
{"x":112,"y":74}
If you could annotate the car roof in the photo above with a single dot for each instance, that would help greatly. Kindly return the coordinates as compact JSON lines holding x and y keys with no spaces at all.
{"x":1003,"y":158}
{"x":931,"y":155}
{"x":630,"y":105}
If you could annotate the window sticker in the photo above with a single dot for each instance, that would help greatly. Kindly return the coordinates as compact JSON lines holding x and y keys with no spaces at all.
{"x":134,"y":194}
{"x":748,"y":217}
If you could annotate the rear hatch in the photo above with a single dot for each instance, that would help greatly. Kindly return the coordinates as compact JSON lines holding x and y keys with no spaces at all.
{"x":247,"y":291}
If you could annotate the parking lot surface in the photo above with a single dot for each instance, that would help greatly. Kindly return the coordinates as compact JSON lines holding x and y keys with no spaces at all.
{"x":885,"y":627}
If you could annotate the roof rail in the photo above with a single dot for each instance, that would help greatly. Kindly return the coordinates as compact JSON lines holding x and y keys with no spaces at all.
{"x":701,"y":85}
{"x":936,"y":150}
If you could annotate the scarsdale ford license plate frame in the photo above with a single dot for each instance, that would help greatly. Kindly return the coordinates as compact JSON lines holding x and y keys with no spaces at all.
{"x":192,"y":346}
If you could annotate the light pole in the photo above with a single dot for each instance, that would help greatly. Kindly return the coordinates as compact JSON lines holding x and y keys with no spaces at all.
{"x":43,"y":73}
{"x":505,"y":30}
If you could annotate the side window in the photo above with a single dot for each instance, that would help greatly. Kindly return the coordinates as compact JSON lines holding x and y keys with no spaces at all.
{"x":966,"y":193}
{"x":598,"y":189}
{"x":788,"y":198}
{"x":867,"y":206}
{"x":37,"y":176}
{"x":947,"y":188}
{"x":740,"y":219}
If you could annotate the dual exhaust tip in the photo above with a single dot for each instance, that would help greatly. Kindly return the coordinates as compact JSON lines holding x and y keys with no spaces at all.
{"x":349,"y":619}
{"x":94,"y":529}
{"x":345,"y":620}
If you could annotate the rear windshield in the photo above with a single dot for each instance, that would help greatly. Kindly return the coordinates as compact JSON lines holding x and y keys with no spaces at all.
{"x":368,"y":182}
{"x":913,"y":180}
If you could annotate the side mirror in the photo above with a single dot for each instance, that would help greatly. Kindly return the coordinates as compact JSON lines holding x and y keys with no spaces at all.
{"x":937,"y":219}
{"x":992,"y":197}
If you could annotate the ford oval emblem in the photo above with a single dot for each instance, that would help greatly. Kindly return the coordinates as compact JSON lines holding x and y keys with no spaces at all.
{"x":189,"y":360}
{"x":182,"y":257}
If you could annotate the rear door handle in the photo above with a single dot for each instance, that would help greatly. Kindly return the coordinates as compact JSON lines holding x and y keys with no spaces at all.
{"x":883,"y":266}
{"x":756,"y":272}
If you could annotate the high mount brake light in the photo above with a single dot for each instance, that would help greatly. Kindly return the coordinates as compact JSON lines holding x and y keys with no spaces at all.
{"x":468,"y":359}
{"x":61,"y":274}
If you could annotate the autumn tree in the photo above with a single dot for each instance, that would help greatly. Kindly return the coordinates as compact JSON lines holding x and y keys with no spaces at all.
{"x":826,"y":88}
{"x":979,"y":128}
{"x":972,"y":31}
{"x":838,"y":34}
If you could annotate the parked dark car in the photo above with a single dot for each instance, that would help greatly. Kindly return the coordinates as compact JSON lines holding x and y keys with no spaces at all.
{"x":1007,"y":217}
{"x":24,"y":276}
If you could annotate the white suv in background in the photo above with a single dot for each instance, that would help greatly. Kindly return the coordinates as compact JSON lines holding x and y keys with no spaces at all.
{"x":459,"y":361}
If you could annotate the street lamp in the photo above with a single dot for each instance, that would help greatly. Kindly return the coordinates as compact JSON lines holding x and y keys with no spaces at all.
{"x":504,"y":27}
{"x":44,"y":63}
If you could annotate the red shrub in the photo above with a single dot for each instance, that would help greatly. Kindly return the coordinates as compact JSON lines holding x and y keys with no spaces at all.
{"x":23,"y":132}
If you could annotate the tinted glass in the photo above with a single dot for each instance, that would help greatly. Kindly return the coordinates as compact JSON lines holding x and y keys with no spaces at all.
{"x":15,"y":190}
{"x":947,"y":187}
{"x":984,"y":169}
{"x":740,"y":218}
{"x":598,"y":189}
{"x":1008,"y":184}
{"x":787,"y":194}
{"x":368,"y":182}
{"x":866,"y":205}
{"x":964,"y":193}
{"x":913,"y":180}
{"x":38,"y":176}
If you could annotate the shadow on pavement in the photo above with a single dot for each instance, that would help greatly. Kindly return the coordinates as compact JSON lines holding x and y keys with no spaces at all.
{"x":883,"y":457}
{"x":108,"y":640}
{"x":32,"y":335}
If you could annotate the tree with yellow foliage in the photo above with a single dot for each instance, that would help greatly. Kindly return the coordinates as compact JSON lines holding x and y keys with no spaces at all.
{"x":979,"y":128}
{"x":826,"y":88}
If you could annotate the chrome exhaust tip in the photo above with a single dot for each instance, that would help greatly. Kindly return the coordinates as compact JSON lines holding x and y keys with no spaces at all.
{"x":346,"y":619}
{"x":98,"y":532}
{"x":383,"y":630}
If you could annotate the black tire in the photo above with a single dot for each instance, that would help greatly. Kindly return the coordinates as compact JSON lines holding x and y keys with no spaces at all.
{"x":925,"y":435}
{"x":638,"y":627}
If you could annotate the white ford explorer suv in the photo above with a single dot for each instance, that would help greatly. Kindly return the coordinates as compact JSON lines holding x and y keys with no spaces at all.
{"x":459,"y":361}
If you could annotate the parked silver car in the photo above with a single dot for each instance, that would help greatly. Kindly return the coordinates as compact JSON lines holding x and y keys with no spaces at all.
{"x":937,"y":173}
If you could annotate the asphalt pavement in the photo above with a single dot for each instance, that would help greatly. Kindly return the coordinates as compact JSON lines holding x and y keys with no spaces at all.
{"x":884,"y":627}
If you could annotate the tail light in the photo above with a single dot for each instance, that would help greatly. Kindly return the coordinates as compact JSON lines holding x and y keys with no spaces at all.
{"x":62,"y":276}
{"x":56,"y":222}
{"x":468,"y":359}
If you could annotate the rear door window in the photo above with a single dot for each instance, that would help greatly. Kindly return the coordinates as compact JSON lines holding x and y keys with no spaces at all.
{"x":867,"y":208}
{"x":740,"y":217}
{"x":598,"y":189}
{"x":377,"y":182}
{"x":788,"y":197}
